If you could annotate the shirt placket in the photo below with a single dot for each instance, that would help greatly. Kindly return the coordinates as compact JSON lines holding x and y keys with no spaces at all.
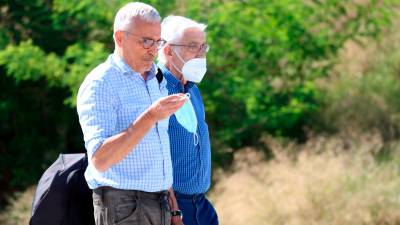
{"x":154,"y":94}
{"x":198,"y":146}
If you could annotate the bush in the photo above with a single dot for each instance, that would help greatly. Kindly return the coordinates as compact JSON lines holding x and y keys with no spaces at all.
{"x":367,"y":101}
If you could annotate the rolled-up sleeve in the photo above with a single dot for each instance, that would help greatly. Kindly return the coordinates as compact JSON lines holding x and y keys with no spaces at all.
{"x":96,"y":111}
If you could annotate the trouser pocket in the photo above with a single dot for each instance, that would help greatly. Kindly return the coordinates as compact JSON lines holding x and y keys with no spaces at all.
{"x":126,"y":210}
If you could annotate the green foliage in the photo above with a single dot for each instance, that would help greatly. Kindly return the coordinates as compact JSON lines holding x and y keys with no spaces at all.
{"x":36,"y":63}
{"x":3,"y":40}
{"x":265,"y":56}
{"x":81,"y":59}
{"x":36,"y":128}
{"x":63,"y":71}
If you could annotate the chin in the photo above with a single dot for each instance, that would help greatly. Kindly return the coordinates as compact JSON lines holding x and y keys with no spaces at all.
{"x":148,"y":65}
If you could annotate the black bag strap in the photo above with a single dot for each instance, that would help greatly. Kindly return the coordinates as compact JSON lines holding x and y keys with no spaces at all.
{"x":159,"y":75}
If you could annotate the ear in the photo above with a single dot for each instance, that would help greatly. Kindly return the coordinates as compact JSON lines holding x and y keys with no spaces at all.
{"x":168,"y":51}
{"x":118,"y":38}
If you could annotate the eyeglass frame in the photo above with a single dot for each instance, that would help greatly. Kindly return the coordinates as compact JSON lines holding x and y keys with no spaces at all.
{"x":161,"y":41}
{"x":204,"y":48}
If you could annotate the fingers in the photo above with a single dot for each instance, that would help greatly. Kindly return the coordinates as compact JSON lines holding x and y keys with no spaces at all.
{"x":172,"y":107}
{"x":173,"y":101}
{"x":174,"y":98}
{"x":168,"y":105}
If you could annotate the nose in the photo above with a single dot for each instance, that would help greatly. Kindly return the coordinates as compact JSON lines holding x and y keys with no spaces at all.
{"x":153,"y":49}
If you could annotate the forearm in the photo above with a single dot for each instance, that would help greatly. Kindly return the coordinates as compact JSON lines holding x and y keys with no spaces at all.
{"x":115,"y":148}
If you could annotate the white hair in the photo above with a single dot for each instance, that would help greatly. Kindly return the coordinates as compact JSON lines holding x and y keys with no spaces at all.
{"x":172,"y":29}
{"x":133,"y":10}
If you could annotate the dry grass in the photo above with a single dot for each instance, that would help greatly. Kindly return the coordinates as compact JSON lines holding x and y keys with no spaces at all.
{"x":346,"y":188}
{"x":19,"y":209}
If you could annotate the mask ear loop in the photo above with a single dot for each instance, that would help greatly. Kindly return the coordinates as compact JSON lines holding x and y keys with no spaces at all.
{"x":196,"y":136}
{"x":195,"y":139}
{"x":180,"y":58}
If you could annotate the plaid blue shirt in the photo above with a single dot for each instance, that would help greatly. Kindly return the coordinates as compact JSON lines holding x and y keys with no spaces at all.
{"x":191,"y":163}
{"x":110,"y":98}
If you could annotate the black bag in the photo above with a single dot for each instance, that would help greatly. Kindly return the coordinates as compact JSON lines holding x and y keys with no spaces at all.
{"x":62,"y":196}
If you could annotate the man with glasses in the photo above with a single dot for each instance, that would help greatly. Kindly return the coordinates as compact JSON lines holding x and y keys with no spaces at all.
{"x":124,"y":115}
{"x":183,"y":63}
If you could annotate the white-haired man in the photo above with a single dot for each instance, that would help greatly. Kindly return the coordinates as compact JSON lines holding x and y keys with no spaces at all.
{"x":124,"y":114}
{"x":183,"y":63}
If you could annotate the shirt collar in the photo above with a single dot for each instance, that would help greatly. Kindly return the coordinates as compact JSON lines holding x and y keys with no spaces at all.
{"x":172,"y":80}
{"x":127,"y":70}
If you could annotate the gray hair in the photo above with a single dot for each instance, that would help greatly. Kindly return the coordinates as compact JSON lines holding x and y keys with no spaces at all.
{"x":172,"y":29}
{"x":132,"y":10}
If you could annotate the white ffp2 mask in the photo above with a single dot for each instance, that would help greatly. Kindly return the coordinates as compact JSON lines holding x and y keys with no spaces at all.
{"x":194,"y":69}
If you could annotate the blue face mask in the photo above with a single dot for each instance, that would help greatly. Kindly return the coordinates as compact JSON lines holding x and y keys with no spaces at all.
{"x":186,"y":116}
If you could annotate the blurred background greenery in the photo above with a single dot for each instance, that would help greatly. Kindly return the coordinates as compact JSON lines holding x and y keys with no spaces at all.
{"x":296,"y":90}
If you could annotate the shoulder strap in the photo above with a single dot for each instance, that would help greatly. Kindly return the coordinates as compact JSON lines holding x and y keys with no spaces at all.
{"x":159,"y":75}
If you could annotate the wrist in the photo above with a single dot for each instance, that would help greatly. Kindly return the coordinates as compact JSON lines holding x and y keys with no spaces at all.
{"x":177,"y":213}
{"x":176,"y":221}
{"x":151,"y":116}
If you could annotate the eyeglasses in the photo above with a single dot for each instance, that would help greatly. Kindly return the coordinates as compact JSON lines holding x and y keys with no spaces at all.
{"x":148,"y":42}
{"x":195,"y":48}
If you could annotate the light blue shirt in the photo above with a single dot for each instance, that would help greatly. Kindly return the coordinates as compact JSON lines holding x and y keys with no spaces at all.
{"x":109,"y":100}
